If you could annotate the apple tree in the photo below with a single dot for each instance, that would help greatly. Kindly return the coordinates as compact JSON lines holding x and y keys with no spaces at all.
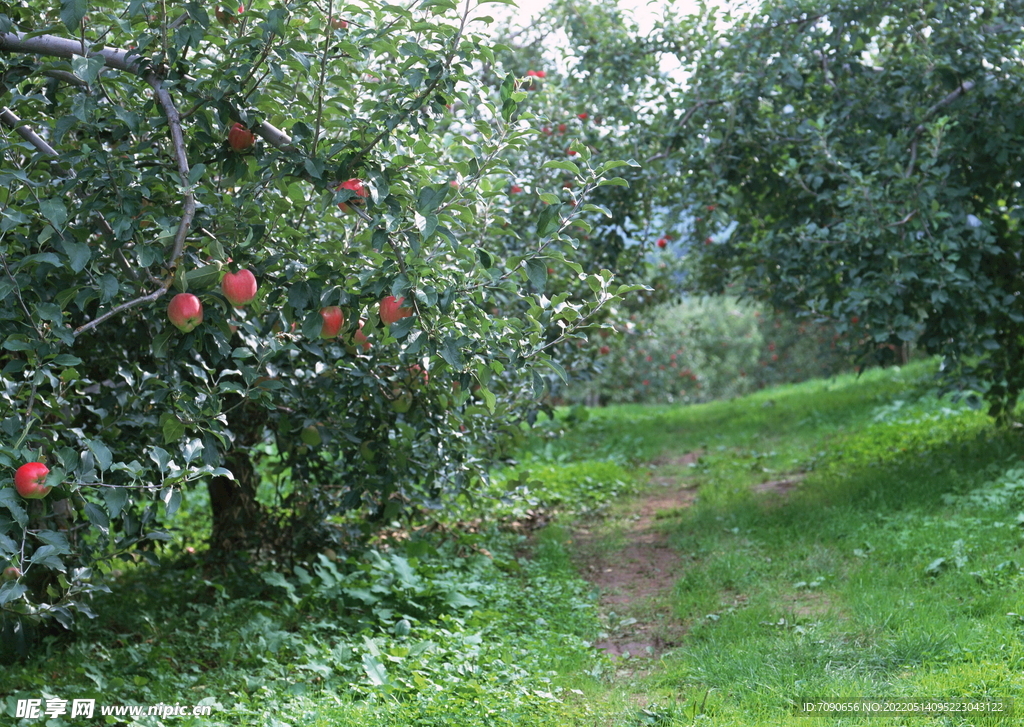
{"x":864,"y":165}
{"x":356,"y":158}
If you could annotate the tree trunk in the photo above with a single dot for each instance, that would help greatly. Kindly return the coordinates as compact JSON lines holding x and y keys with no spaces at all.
{"x":238,"y":519}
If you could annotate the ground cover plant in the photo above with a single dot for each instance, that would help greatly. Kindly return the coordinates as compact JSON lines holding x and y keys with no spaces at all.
{"x":891,"y":571}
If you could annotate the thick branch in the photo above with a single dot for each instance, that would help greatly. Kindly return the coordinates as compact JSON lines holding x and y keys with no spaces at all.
{"x":130,"y":61}
{"x":8,"y":118}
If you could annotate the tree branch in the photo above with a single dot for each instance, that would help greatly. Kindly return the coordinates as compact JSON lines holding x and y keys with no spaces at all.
{"x":9,"y":119}
{"x":683,"y":120}
{"x":952,"y":96}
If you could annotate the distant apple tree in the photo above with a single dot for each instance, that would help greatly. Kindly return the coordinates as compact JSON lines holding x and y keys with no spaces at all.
{"x":865,"y":161}
{"x":378,"y":167}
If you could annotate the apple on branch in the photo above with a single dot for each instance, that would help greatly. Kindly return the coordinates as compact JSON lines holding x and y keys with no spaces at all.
{"x":240,"y":138}
{"x":334,"y":319}
{"x":12,"y":573}
{"x":185,"y":311}
{"x":391,"y":310}
{"x":357,"y":187}
{"x":30,"y":480}
{"x":239,"y":288}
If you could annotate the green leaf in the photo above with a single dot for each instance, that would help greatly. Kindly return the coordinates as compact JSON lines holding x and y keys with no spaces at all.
{"x":196,"y":173}
{"x":55,"y":539}
{"x":115,"y":498}
{"x":11,"y":591}
{"x":613,"y":182}
{"x":537,"y":272}
{"x":549,"y":220}
{"x":608,"y":166}
{"x":312,"y":324}
{"x":87,"y":68}
{"x":557,"y":368}
{"x":450,"y":352}
{"x":97,"y":517}
{"x":102,"y":454}
{"x":430,"y":199}
{"x":561,"y":164}
{"x":47,"y":556}
{"x":9,"y":499}
{"x":78,"y":253}
{"x":172,"y":428}
{"x":489,"y":398}
{"x":375,"y":671}
{"x":71,"y":14}
{"x":54,"y":211}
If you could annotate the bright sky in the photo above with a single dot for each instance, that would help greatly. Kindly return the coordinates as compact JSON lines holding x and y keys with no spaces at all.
{"x":645,"y":11}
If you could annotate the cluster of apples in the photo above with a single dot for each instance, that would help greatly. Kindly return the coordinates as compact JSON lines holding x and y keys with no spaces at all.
{"x":185,"y":310}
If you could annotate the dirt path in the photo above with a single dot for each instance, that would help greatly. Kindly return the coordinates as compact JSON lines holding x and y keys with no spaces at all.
{"x":629,"y":559}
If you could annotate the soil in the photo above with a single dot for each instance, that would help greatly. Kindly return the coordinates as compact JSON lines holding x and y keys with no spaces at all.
{"x":629,"y":559}
{"x":633,"y":566}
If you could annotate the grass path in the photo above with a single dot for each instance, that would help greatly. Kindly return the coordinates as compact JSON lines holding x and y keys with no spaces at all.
{"x":834,"y":542}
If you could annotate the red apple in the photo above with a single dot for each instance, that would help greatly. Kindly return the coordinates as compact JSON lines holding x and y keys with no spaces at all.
{"x":561,"y":128}
{"x":185,"y":311}
{"x":854,"y":320}
{"x":582,"y":117}
{"x":240,"y":138}
{"x":570,"y":152}
{"x":662,"y":242}
{"x":605,"y":350}
{"x":29,"y":480}
{"x":334,"y":319}
{"x":12,"y":573}
{"x":515,"y":189}
{"x":354,"y":185}
{"x":239,"y":288}
{"x":536,"y":74}
{"x":391,"y":310}
{"x":339,"y":23}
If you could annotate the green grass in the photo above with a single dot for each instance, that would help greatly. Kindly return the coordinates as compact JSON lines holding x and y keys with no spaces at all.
{"x":892,"y":572}
{"x":887,"y":574}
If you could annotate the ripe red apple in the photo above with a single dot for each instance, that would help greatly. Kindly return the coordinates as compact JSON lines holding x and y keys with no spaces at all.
{"x":854,"y":320}
{"x":354,"y":185}
{"x":185,"y":311}
{"x":662,"y":242}
{"x":12,"y":573}
{"x":239,"y":288}
{"x":515,"y":189}
{"x":561,"y":128}
{"x":227,"y":18}
{"x":339,"y":23}
{"x":605,"y":350}
{"x":570,"y":152}
{"x":536,"y":74}
{"x":583,"y":117}
{"x":240,"y":138}
{"x":29,"y":480}
{"x":391,"y":310}
{"x":334,"y":319}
